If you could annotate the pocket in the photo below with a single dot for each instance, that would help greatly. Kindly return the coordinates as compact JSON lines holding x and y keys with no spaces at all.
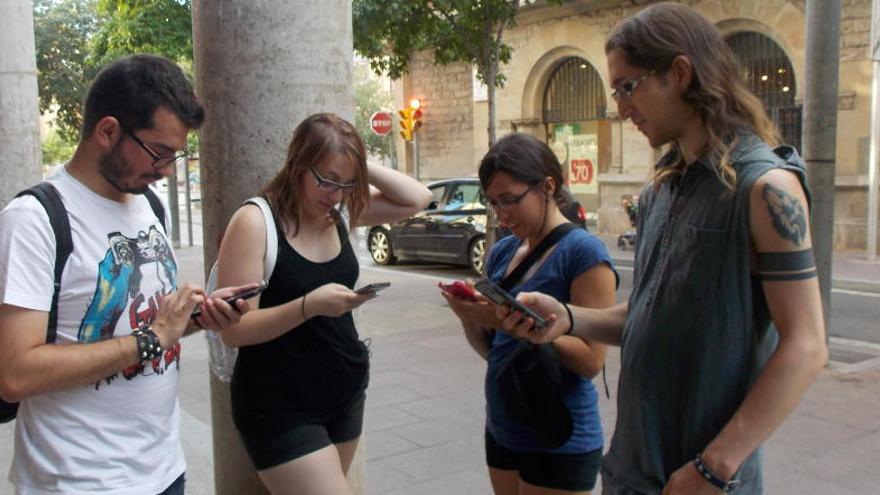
{"x":699,"y":256}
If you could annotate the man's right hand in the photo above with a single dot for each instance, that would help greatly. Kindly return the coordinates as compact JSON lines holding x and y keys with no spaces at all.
{"x":524,"y":327}
{"x":174,"y":314}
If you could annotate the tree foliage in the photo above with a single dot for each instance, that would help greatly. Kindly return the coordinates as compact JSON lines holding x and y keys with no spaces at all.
{"x":74,"y":38}
{"x":163,"y":27}
{"x":62,"y":33}
{"x":370,"y":97}
{"x":388,"y":32}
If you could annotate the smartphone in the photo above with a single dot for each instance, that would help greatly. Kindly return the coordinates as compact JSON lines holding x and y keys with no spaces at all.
{"x":500,"y":296}
{"x":460,"y":290}
{"x":374,"y":287}
{"x":245,"y":294}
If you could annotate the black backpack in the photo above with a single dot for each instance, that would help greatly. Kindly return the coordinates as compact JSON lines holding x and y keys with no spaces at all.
{"x":48,"y":196}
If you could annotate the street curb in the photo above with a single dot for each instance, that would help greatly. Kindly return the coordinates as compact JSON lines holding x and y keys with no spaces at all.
{"x":855,"y":284}
{"x":852,"y":284}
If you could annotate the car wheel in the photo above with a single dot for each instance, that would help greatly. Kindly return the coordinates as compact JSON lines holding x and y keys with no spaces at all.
{"x":477,"y":253}
{"x":621,"y":243}
{"x":379,"y":244}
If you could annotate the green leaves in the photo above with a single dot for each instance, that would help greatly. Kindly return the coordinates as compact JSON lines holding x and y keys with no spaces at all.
{"x":388,"y":32}
{"x":74,"y":38}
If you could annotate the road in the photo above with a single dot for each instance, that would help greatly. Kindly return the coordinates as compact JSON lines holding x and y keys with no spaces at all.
{"x":854,"y":314}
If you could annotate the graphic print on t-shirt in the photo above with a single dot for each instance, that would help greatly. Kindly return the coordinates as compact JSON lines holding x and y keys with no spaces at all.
{"x":119,"y":287}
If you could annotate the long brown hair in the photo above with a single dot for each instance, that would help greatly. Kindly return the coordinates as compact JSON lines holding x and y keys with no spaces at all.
{"x":315,"y":139}
{"x":654,"y":37}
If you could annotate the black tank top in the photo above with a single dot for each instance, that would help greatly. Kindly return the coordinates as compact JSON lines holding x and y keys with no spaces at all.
{"x":310,"y":371}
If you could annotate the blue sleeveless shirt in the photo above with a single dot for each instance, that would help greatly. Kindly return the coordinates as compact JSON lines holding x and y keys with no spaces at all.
{"x":573,"y":255}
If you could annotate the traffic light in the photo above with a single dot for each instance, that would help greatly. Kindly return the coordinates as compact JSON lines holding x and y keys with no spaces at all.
{"x":406,"y":123}
{"x":410,"y":119}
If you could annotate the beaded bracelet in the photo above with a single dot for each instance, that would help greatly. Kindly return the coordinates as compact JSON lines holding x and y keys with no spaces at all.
{"x":714,"y":479}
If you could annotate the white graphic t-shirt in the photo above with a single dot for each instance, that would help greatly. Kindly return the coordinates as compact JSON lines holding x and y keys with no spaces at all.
{"x":120,"y":435}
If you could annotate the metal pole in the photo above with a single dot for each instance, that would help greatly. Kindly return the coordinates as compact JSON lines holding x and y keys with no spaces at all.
{"x":417,"y":167}
{"x":820,"y":131}
{"x":875,"y":133}
{"x":189,"y":214}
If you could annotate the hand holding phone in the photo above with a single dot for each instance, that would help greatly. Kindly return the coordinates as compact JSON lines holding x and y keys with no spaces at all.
{"x":460,"y":290}
{"x":231,"y":300}
{"x":374,"y":287}
{"x":501,"y":297}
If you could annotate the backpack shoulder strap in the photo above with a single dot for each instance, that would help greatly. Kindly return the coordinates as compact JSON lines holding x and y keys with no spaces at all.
{"x":49,"y":197}
{"x":157,"y":207}
{"x":271,"y":235}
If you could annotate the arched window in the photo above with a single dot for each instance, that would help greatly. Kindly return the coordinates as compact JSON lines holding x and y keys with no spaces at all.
{"x":574,"y":93}
{"x":767,"y":72}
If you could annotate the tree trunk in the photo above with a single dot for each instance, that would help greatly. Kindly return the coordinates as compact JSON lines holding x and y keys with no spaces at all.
{"x":261,"y":67}
{"x":19,"y":110}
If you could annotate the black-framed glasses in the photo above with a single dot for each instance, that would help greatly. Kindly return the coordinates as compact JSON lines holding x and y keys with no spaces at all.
{"x":330,"y":186}
{"x":508,"y":202}
{"x":158,"y":160}
{"x":623,"y":91}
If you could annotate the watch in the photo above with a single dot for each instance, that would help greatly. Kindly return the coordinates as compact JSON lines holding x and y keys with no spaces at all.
{"x":714,"y":479}
{"x":148,"y":345}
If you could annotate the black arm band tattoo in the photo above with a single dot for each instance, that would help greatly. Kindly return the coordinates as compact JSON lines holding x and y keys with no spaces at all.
{"x":787,"y":266}
{"x":788,"y":216}
{"x":781,"y":277}
{"x":787,"y":261}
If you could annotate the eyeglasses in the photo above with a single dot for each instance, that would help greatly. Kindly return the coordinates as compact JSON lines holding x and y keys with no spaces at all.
{"x":330,"y":186}
{"x":158,"y":161}
{"x":623,"y":91}
{"x":507,"y":203}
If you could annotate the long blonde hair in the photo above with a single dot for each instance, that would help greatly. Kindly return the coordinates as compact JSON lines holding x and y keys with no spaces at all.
{"x":653,"y":38}
{"x":314,"y":139}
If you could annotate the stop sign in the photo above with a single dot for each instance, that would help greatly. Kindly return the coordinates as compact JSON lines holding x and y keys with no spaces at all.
{"x":380,"y":123}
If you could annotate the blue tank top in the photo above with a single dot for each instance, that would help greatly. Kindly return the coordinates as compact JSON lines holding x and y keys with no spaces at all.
{"x":573,"y":255}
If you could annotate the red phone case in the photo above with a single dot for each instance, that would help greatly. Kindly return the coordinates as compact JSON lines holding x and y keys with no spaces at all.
{"x":460,"y":290}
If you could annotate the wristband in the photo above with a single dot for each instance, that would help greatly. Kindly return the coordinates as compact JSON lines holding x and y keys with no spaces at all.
{"x":714,"y":479}
{"x":570,"y":319}
{"x":148,"y":345}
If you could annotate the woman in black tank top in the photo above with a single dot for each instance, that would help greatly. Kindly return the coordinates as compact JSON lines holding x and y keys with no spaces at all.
{"x":299,"y":382}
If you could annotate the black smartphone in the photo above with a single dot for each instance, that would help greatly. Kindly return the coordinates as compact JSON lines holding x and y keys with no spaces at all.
{"x":500,"y":296}
{"x":374,"y":287}
{"x":245,"y":294}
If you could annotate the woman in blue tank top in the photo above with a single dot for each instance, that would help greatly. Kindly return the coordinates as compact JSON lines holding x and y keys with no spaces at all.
{"x":299,"y":384}
{"x":522,"y":182}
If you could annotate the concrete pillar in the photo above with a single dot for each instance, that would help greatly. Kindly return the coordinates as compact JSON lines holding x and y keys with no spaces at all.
{"x":820,"y":133}
{"x":261,"y":67}
{"x":19,"y":113}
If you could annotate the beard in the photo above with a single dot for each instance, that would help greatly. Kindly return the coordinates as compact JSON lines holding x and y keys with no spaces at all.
{"x":117,"y":171}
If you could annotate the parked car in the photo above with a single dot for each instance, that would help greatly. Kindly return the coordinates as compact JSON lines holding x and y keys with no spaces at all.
{"x":452,"y":229}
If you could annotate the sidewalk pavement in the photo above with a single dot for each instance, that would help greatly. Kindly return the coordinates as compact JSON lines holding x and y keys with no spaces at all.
{"x":425,"y":407}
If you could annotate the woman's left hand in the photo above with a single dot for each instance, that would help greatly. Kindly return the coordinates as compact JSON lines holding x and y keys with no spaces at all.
{"x":480,"y":311}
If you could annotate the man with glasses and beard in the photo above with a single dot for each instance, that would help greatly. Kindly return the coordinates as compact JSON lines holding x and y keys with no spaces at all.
{"x":723,"y":251}
{"x":98,"y":406}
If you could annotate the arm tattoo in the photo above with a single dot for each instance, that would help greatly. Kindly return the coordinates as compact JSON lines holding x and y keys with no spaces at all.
{"x":787,"y":214}
{"x":787,"y":266}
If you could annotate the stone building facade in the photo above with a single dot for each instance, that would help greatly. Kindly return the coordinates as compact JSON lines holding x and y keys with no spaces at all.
{"x":557,"y":90}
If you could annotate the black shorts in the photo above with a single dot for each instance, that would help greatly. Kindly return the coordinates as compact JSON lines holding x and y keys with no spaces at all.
{"x":572,"y":472}
{"x":306,"y":437}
